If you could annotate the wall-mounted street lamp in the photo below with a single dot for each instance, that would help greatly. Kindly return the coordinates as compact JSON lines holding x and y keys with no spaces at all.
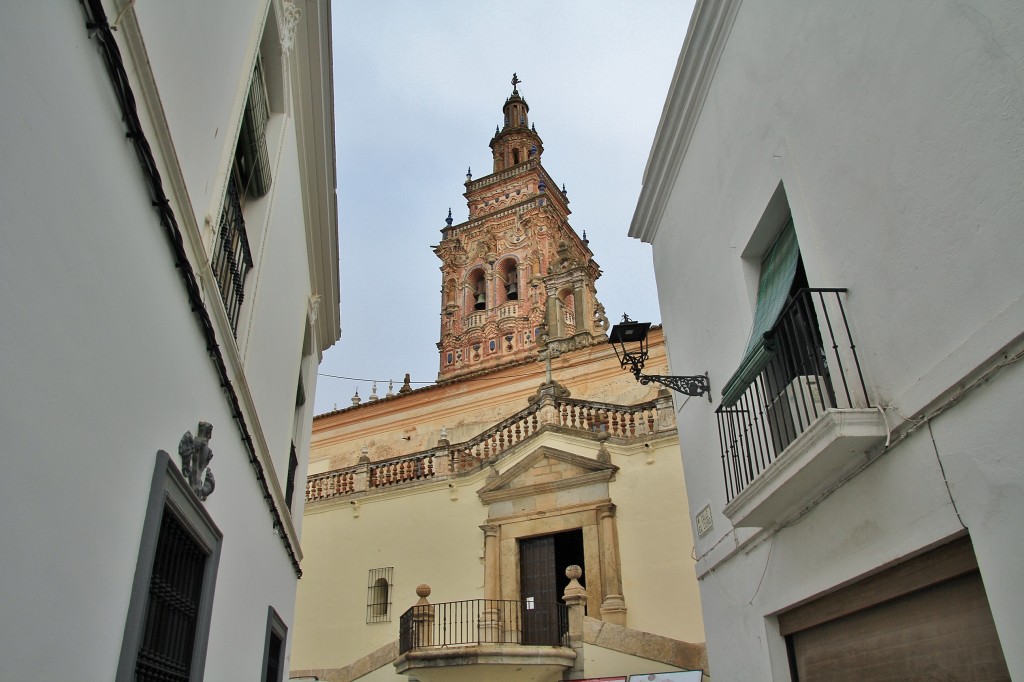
{"x":629,"y":339}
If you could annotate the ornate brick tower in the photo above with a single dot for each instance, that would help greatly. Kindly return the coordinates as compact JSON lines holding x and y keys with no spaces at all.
{"x":516,"y":278}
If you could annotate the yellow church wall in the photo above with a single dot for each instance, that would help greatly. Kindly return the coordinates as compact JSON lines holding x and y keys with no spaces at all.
{"x":656,"y":542}
{"x":424,"y":534}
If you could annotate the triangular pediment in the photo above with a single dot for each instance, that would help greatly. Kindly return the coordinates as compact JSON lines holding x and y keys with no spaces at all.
{"x":543,"y":470}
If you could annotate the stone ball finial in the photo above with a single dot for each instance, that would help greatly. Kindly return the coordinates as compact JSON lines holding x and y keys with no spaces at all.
{"x":574,"y":572}
{"x":423,"y":591}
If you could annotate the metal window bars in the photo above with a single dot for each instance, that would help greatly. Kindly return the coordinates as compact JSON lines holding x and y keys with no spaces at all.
{"x":814,"y":367}
{"x":232,"y":258}
{"x":175,"y":588}
{"x":378,"y":595}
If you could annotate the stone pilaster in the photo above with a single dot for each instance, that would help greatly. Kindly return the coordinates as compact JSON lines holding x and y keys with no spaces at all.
{"x":613,"y":607}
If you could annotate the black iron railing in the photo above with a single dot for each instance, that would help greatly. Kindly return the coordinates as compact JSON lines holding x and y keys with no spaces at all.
{"x":484,"y":621}
{"x":813,"y":367}
{"x":232,"y":259}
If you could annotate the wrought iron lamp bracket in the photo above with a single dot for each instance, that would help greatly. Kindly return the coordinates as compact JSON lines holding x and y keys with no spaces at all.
{"x":687,"y":385}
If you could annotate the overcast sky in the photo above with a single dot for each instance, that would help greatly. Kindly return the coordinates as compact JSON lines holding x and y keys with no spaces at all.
{"x":418,"y":90}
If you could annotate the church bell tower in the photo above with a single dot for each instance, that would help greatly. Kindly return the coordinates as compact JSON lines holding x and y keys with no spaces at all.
{"x":516,"y":278}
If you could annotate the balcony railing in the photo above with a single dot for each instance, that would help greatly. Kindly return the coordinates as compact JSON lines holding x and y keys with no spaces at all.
{"x":232,"y":259}
{"x":813,"y":367}
{"x":484,"y":621}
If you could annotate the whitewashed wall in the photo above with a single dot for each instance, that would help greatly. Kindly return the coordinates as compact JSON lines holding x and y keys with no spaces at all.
{"x":101,"y":360}
{"x":897,"y":130}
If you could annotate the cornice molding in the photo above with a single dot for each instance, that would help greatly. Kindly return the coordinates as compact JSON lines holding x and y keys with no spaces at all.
{"x":706,"y":36}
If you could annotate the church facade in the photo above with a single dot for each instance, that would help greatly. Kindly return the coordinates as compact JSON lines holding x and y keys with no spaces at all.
{"x":534,"y":452}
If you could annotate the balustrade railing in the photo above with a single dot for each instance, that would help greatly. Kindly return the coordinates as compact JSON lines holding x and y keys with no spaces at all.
{"x":510,"y":309}
{"x":495,"y":440}
{"x":619,"y":421}
{"x":484,"y":621}
{"x":812,"y":367}
{"x":413,"y":468}
{"x":330,"y":484}
{"x":475,"y":320}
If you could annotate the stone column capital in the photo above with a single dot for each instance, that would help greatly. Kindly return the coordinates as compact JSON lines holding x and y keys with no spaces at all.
{"x":490,"y":530}
{"x":606,"y":510}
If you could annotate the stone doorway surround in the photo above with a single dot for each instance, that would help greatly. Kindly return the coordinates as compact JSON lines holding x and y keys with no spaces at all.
{"x":552,"y":491}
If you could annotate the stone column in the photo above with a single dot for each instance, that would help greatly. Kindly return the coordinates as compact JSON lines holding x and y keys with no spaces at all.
{"x":613,"y":608}
{"x":575,"y":598}
{"x":490,"y":626}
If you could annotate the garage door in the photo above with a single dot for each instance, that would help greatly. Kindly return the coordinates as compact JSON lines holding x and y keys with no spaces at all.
{"x":927,"y":619}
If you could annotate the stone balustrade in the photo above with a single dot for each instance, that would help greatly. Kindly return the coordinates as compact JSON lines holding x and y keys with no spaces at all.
{"x":449,"y":460}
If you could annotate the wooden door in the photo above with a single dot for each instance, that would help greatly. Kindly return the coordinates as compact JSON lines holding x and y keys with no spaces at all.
{"x":538,"y":588}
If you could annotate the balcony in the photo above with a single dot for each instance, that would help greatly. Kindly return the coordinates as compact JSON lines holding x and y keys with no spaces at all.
{"x":484,"y":639}
{"x":804,"y":422}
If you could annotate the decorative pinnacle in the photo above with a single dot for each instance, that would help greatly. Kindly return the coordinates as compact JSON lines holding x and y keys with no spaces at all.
{"x":563,"y":190}
{"x":515,"y":83}
{"x":449,"y":218}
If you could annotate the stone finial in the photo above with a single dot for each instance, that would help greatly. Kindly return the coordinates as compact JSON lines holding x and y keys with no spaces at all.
{"x":356,"y":399}
{"x":564,"y":191}
{"x":423,"y":591}
{"x":442,"y":437}
{"x":391,"y":389}
{"x":364,"y":455}
{"x":406,"y":385}
{"x":373,"y":394}
{"x":603,"y":455}
{"x":449,"y":220}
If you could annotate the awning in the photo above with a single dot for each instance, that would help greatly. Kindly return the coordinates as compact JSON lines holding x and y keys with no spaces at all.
{"x":777,"y":272}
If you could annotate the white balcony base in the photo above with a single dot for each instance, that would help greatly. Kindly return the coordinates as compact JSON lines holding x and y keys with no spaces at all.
{"x":492,"y":662}
{"x":830,"y":449}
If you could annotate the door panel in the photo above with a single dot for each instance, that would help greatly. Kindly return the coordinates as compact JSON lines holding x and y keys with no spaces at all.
{"x":538,"y":588}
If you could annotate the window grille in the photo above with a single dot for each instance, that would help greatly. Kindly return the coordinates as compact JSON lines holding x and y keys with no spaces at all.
{"x":232,"y":259}
{"x":252,"y":156}
{"x":175,"y":587}
{"x":378,"y":599}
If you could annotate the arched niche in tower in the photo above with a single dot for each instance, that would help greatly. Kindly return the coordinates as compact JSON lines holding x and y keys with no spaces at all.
{"x":567,"y":311}
{"x":476,"y":290}
{"x":508,"y":280}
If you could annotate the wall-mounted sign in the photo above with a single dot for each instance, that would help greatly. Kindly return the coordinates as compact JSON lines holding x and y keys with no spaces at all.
{"x":704,"y":522}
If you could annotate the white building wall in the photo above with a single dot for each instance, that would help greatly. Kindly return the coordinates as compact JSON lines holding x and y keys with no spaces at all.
{"x":102,"y":361}
{"x":896,"y":130}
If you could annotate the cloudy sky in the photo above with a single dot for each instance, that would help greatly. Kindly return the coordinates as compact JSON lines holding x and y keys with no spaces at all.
{"x":419,"y":87}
